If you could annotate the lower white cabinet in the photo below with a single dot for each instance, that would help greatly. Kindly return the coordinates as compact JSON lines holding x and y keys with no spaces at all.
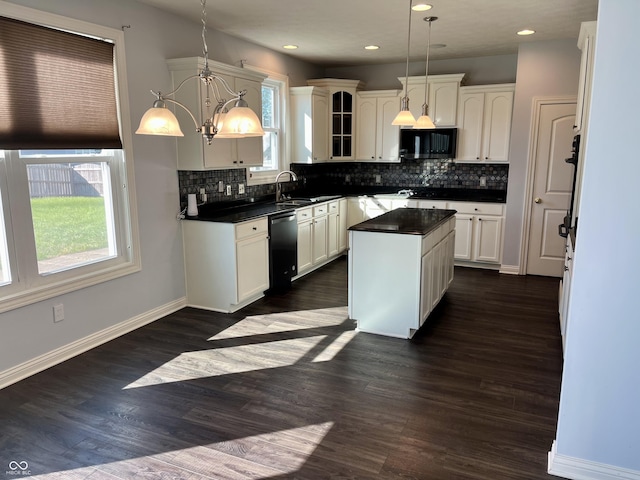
{"x":227,"y":264}
{"x":322,"y":233}
{"x":478,"y":231}
{"x":394,"y":294}
{"x":304,"y":216}
{"x":565,"y":290}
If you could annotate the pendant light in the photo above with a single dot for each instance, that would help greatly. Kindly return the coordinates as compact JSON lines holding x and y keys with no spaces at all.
{"x":405,"y":117}
{"x":239,"y":122}
{"x":424,"y":122}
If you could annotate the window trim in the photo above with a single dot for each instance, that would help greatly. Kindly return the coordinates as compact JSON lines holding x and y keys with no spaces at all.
{"x":19,"y":293}
{"x":262,"y":178}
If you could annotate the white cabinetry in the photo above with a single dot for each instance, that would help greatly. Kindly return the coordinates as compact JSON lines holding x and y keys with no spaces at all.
{"x":304,"y":217}
{"x":586,"y":43}
{"x":342,"y":225}
{"x":193,"y":151}
{"x":341,"y":125}
{"x":565,"y":289}
{"x":322,"y":233}
{"x":393,"y":295}
{"x":377,"y":140}
{"x":478,"y":231}
{"x":227,"y":265}
{"x":484,"y":121}
{"x":320,"y":249}
{"x":309,"y":124}
{"x":442,"y":94}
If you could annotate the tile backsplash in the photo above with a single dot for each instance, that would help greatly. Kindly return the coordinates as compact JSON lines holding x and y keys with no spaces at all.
{"x":408,"y":174}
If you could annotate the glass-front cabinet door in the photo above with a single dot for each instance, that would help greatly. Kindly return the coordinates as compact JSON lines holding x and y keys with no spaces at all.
{"x":342,"y":121}
{"x":342,"y":128}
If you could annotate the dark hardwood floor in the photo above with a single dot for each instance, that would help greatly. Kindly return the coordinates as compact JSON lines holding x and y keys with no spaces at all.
{"x":286,"y":389}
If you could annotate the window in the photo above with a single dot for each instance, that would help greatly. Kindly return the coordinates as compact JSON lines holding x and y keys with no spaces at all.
{"x":274,"y":95}
{"x":66,"y":216}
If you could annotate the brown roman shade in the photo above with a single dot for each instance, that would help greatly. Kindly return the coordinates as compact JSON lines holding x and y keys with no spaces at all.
{"x":57,"y":89}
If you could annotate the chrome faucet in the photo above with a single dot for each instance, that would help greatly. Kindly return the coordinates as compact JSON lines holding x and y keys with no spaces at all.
{"x":294,"y":178}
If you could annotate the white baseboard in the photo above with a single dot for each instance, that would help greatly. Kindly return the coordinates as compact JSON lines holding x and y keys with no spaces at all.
{"x":510,"y":269}
{"x":580,"y":469}
{"x":59,"y":355}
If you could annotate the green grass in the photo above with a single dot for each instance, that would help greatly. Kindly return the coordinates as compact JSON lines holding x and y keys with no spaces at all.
{"x":66,"y":225}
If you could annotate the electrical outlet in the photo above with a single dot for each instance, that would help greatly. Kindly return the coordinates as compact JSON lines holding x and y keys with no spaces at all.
{"x":202,"y":191}
{"x":228,"y":189}
{"x":58,"y":313}
{"x":241,"y":188}
{"x":483,"y":181}
{"x":378,"y":179}
{"x":220,"y":186}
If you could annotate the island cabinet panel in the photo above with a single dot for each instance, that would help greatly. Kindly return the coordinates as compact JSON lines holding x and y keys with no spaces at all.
{"x":396,"y":279}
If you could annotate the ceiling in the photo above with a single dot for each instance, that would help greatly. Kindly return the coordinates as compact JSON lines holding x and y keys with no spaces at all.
{"x":332,"y":33}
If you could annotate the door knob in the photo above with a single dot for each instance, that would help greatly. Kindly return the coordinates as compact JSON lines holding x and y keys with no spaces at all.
{"x":538,"y":200}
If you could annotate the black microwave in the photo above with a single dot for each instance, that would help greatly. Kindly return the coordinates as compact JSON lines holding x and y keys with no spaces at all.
{"x":433,"y":143}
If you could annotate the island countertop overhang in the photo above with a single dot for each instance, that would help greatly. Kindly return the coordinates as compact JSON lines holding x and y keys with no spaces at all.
{"x":406,"y":221}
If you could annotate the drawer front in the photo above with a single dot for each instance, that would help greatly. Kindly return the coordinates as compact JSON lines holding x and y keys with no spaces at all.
{"x":477,"y":208}
{"x":320,"y":210}
{"x":442,"y":205}
{"x":253,"y":227}
{"x":333,"y":207}
{"x":304,"y":214}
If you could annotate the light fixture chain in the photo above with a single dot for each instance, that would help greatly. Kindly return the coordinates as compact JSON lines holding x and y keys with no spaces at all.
{"x":406,"y":78}
{"x":426,"y":68}
{"x":205,"y":49}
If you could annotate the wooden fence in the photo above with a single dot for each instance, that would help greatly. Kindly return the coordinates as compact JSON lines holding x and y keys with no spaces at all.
{"x":65,"y":180}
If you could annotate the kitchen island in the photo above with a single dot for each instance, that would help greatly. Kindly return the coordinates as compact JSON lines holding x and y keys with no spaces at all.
{"x":400,"y":266}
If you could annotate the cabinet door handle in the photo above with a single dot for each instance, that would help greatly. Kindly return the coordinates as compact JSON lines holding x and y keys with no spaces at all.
{"x":566,"y":269}
{"x":479,"y":219}
{"x":255,"y":228}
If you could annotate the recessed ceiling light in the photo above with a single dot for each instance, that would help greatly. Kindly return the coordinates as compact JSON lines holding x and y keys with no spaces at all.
{"x":526,"y":31}
{"x":290,"y":47}
{"x":371,"y":47}
{"x":421,"y":7}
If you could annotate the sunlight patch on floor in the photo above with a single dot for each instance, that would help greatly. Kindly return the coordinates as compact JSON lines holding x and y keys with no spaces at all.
{"x":229,"y":360}
{"x":242,"y":458}
{"x":284,"y":322}
{"x":336,"y":346}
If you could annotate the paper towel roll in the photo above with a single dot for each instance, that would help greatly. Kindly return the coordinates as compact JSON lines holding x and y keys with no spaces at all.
{"x":192,"y":205}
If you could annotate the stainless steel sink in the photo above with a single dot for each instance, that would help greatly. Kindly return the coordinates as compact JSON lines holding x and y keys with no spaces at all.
{"x":294,"y":203}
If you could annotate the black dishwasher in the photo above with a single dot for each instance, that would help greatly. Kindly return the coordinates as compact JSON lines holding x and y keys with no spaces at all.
{"x":283,"y":250}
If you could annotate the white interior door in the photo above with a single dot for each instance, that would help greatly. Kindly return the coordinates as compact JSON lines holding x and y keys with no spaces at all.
{"x":551,"y":188}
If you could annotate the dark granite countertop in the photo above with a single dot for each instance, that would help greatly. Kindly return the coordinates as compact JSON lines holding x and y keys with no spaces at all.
{"x":240,"y":213}
{"x":407,"y":221}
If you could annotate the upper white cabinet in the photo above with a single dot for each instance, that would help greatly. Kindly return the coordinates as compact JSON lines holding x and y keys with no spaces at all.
{"x":193,"y":151}
{"x":342,"y":116}
{"x":442,"y":92}
{"x":309,"y":124}
{"x":586,"y":43}
{"x":377,"y":140}
{"x":484,"y":121}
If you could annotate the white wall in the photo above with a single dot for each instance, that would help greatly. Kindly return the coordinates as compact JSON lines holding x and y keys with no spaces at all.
{"x":599,"y":418}
{"x":544,"y":69}
{"x":154,"y":36}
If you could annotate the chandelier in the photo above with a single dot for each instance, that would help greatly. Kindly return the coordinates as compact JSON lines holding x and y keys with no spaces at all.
{"x":239,"y":121}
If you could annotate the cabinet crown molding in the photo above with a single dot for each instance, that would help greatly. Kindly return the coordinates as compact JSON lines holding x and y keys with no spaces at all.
{"x":336,"y":82}
{"x":497,"y":87}
{"x":454,"y":77}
